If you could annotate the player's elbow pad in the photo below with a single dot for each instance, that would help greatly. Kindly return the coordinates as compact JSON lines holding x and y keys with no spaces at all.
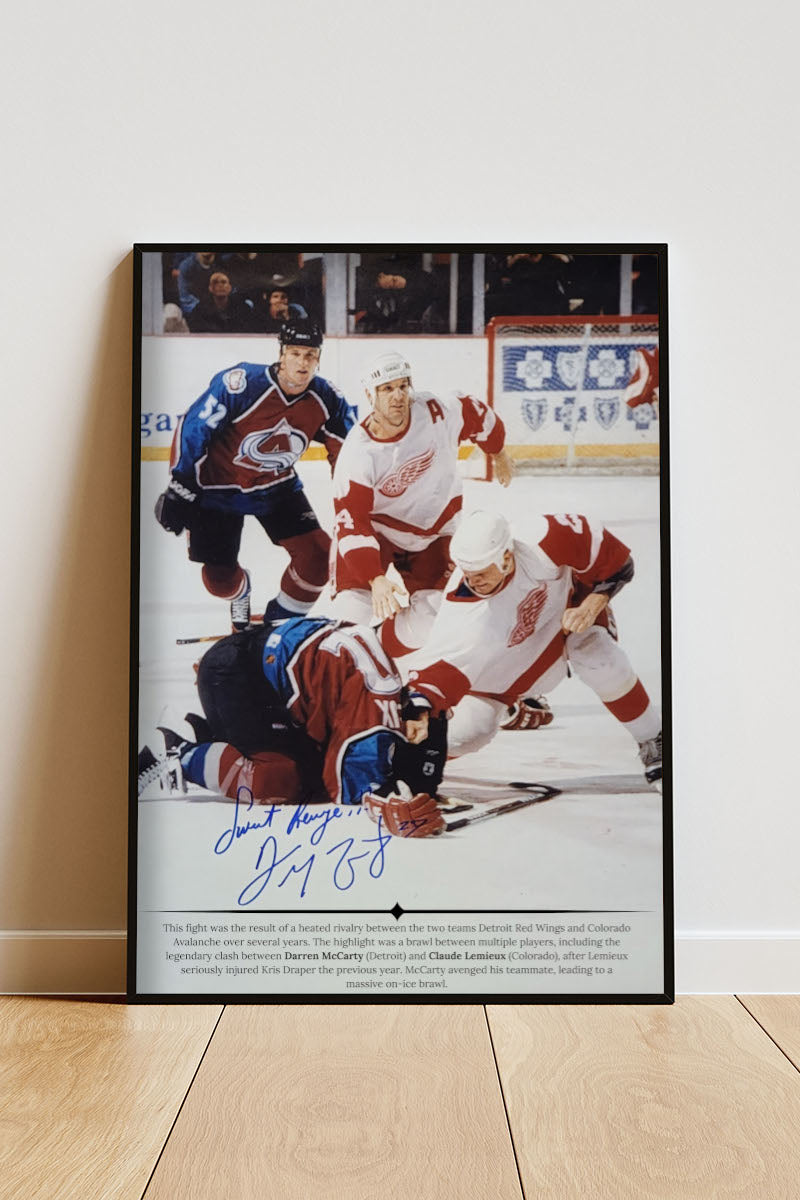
{"x":609,"y":587}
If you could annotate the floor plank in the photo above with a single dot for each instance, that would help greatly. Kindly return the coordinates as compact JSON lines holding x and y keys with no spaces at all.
{"x":346,"y":1102}
{"x":780,"y":1017}
{"x":88,"y":1092}
{"x":652,"y":1103}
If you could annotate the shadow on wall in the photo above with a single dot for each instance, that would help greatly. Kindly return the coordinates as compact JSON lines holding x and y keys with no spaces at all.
{"x":69,"y":868}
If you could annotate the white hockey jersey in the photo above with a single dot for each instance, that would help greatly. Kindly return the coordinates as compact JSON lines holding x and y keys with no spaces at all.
{"x":504,"y":645}
{"x":407,"y":489}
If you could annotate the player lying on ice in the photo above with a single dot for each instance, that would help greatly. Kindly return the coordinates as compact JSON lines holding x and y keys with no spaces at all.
{"x":515,"y":614}
{"x":234,"y":454}
{"x":310,"y":709}
{"x":397,"y":497}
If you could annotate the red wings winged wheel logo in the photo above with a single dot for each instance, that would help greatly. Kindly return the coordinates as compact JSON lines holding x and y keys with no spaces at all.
{"x":528,"y":613}
{"x":400,"y":480}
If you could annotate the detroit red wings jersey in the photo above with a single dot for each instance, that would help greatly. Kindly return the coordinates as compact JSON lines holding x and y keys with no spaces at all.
{"x":504,"y":644}
{"x":644,"y":381}
{"x":244,"y":434}
{"x":406,"y":489}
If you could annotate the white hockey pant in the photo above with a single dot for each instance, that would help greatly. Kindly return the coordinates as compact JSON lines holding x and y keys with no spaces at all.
{"x":603,"y":665}
{"x":596,"y":659}
{"x":474,"y":723}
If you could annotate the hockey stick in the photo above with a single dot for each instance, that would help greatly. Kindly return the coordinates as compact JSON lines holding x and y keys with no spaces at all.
{"x":216,"y":637}
{"x":539,"y":792}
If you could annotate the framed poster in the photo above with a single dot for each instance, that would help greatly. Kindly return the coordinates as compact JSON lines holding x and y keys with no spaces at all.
{"x":400,"y":634}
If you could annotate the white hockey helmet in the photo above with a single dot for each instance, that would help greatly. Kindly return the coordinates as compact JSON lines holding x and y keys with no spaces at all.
{"x":385,"y":368}
{"x":481,"y":540}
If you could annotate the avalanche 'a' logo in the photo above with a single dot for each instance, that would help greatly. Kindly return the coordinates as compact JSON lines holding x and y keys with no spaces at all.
{"x":273,"y":450}
{"x":400,"y":480}
{"x":606,"y":412}
{"x":528,"y":612}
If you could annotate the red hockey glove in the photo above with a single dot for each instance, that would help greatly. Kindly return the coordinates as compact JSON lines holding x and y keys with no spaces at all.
{"x":530,"y":713}
{"x":416,"y":816}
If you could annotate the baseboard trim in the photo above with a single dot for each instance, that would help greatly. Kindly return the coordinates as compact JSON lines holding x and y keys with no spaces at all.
{"x":91,"y":962}
{"x":759,"y":963}
{"x":47,"y":962}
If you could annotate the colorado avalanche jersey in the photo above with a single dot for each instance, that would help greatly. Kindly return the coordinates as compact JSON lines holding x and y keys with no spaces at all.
{"x":406,"y":489}
{"x":504,"y":644}
{"x":244,"y":435}
{"x":337,"y":683}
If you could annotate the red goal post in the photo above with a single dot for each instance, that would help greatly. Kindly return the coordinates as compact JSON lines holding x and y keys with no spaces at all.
{"x":558,"y":384}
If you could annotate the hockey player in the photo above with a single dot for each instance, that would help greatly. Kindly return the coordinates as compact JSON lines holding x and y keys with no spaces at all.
{"x":234,"y":455}
{"x":643,"y":386}
{"x":310,"y":709}
{"x":397,"y":496}
{"x":517,"y":613}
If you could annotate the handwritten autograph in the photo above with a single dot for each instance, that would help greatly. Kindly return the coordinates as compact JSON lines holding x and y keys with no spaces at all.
{"x":269,"y":859}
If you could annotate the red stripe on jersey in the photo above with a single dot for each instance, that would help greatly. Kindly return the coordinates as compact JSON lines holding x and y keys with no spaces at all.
{"x":447,"y":514}
{"x":443,"y":684}
{"x":631,"y":705}
{"x":611,"y":557}
{"x":481,"y":425}
{"x":569,"y":543}
{"x":353,"y":518}
{"x":550,"y":655}
{"x":644,"y":380}
{"x":391,"y":642}
{"x":396,"y":438}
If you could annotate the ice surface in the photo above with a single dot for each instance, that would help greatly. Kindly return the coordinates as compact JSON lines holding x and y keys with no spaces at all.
{"x":595,"y":846}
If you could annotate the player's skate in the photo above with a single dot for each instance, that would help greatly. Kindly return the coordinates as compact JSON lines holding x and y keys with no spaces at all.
{"x":164,"y":765}
{"x":531,"y":712}
{"x":151,"y":769}
{"x":650,"y":754}
{"x":240,"y":606}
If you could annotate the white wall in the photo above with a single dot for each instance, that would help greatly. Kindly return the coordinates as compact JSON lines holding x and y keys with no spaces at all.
{"x":320,"y":122}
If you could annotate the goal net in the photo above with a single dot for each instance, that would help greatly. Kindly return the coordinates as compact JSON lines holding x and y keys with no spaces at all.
{"x":558,"y":384}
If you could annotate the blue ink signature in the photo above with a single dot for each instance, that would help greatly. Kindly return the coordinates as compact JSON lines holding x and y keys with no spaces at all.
{"x":275,"y":863}
{"x":344,"y":875}
{"x":226,"y":839}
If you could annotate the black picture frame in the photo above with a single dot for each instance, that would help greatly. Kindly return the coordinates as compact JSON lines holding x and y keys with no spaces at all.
{"x":143,"y":945}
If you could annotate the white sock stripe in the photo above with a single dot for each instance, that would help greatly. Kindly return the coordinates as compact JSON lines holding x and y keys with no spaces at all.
{"x":293,"y":605}
{"x":303,"y":583}
{"x":211,"y":766}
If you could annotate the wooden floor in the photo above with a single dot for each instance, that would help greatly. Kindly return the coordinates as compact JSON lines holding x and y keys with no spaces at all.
{"x":362,"y":1102}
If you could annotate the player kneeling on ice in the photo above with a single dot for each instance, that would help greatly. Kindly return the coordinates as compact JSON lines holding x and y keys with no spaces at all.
{"x":397,"y":496}
{"x":516,"y":614}
{"x":234,"y":455}
{"x":310,"y":709}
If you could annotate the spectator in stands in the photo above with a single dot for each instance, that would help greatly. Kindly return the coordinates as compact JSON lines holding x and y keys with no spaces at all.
{"x":400,"y":300}
{"x":222,"y":310}
{"x":528,"y":284}
{"x":279,"y":309}
{"x":193,"y":276}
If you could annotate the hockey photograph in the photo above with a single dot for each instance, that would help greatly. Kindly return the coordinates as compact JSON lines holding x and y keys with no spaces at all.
{"x":400,"y":628}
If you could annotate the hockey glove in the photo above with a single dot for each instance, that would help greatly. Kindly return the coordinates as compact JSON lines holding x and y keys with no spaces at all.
{"x":416,"y":816}
{"x":530,"y":713}
{"x":174,"y":507}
